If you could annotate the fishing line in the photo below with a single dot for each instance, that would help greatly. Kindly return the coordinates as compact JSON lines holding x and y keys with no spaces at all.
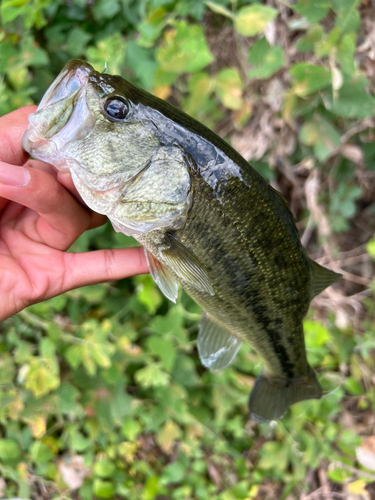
{"x":105,"y":66}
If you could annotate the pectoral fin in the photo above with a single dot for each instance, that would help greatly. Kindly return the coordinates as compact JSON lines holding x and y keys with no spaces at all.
{"x":186,"y":266}
{"x":162,"y":277}
{"x":321,"y":278}
{"x":217,"y":347}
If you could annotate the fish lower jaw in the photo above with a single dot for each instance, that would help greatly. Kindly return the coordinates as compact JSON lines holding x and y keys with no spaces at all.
{"x":36,"y":145}
{"x":44,"y":150}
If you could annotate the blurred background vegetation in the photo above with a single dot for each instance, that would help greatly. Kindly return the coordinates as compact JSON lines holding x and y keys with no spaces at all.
{"x":102,"y":394}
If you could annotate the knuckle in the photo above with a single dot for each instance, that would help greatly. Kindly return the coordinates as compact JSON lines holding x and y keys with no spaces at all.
{"x":109,"y":262}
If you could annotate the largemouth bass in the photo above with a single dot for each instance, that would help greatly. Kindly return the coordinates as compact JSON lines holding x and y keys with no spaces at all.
{"x":206,"y":219}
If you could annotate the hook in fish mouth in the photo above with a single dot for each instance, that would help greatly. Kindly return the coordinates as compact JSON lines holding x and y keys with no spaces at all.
{"x":62,"y":115}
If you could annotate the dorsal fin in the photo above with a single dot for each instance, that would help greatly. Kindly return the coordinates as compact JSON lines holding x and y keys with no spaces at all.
{"x":321,"y":278}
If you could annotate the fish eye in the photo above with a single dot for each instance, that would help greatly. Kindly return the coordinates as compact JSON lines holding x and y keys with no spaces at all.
{"x":116,"y":109}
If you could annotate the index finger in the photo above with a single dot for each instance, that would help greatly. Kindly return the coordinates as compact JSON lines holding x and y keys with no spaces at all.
{"x":12,"y":128}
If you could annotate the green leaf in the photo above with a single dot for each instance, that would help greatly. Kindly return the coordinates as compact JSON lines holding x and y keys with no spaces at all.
{"x":184,"y":372}
{"x":164,"y":349}
{"x":307,"y":42}
{"x":219,"y":9}
{"x":95,"y":350}
{"x":339,"y":475}
{"x":40,"y":452}
{"x":77,"y":41}
{"x":316,"y":334}
{"x":349,"y":24}
{"x":130,"y":429}
{"x":7,"y":369}
{"x":320,"y":134}
{"x":141,"y":61}
{"x":189,"y":8}
{"x":151,"y":27}
{"x":309,"y":78}
{"x":104,"y":467}
{"x":78,"y":441}
{"x":58,"y":303}
{"x":258,"y":51}
{"x":41,"y":377}
{"x":67,"y":404}
{"x":168,"y":435}
{"x":273,"y":455}
{"x":11,"y":9}
{"x":348,"y":18}
{"x":343,"y":204}
{"x":171,"y":323}
{"x":33,"y":54}
{"x":184,"y":49}
{"x":313,"y":11}
{"x":343,"y":7}
{"x":164,"y":78}
{"x":73,"y":355}
{"x":152,"y":376}
{"x":173,"y":473}
{"x":198,"y":102}
{"x":9,"y":450}
{"x":103,"y":489}
{"x":151,"y":488}
{"x":7,"y":54}
{"x":353,"y":101}
{"x":326,"y":46}
{"x":251,"y":20}
{"x":105,"y":10}
{"x":345,"y":54}
{"x":353,"y":386}
{"x":94,"y":294}
{"x":267,"y":59}
{"x":229,"y":88}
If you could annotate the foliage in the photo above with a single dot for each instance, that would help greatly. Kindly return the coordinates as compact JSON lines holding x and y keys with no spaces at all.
{"x":102,"y":394}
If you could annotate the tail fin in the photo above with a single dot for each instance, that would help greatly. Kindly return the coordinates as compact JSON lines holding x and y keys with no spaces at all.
{"x":271,"y":397}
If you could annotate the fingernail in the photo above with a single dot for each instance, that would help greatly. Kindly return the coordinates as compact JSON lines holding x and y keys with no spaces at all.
{"x":14,"y":176}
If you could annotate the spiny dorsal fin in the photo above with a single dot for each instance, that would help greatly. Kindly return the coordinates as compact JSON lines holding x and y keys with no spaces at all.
{"x":162,"y":277}
{"x":321,"y":278}
{"x":187,"y":267}
{"x":217,"y":347}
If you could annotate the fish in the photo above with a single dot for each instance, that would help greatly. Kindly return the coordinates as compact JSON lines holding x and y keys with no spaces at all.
{"x":206,"y":219}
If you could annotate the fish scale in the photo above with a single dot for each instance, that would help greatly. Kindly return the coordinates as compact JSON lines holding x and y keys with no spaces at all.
{"x":206,"y":218}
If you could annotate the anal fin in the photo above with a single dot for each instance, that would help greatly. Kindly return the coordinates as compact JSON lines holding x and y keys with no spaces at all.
{"x":217,"y":347}
{"x":162,"y":277}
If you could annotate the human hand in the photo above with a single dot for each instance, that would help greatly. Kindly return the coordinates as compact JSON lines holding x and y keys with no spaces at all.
{"x":41,"y":215}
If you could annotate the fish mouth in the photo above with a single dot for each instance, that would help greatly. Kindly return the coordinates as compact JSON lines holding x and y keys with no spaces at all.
{"x":63,"y":114}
